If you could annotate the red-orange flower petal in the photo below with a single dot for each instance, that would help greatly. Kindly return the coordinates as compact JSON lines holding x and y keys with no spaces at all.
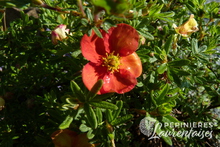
{"x":91,"y":73}
{"x":132,"y":63}
{"x":123,"y":39}
{"x":93,"y":47}
{"x":120,"y":82}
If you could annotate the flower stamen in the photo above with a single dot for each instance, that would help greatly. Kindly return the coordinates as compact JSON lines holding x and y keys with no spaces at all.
{"x":112,"y":62}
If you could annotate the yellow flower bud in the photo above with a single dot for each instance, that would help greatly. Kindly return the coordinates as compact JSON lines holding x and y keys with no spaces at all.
{"x":188,"y":27}
{"x":37,"y":2}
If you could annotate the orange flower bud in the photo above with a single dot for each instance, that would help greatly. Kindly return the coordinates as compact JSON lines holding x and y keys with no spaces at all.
{"x":64,"y":138}
{"x":83,"y":141}
{"x":68,"y":138}
{"x":188,"y":27}
{"x":59,"y":33}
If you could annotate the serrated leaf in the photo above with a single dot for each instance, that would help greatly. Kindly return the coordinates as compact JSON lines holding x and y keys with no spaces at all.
{"x":180,"y":62}
{"x":162,"y":68}
{"x":121,"y":120}
{"x":77,"y":92}
{"x":66,"y":123}
{"x":91,"y":116}
{"x":104,"y":104}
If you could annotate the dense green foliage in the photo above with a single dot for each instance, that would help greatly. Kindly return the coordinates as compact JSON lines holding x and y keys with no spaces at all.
{"x":43,"y":89}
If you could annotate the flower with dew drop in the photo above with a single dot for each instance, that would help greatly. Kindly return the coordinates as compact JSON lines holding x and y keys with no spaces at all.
{"x":112,"y":59}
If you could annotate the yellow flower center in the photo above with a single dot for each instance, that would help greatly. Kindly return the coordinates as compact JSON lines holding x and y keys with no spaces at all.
{"x":111,"y":61}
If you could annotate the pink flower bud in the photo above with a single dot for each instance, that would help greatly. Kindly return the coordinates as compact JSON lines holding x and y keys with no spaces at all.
{"x":59,"y":33}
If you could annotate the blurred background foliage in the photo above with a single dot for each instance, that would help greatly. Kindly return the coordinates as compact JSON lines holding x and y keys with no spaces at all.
{"x":41,"y":82}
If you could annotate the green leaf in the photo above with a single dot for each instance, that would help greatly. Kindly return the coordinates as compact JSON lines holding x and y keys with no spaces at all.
{"x":195,"y":49}
{"x":121,"y":120}
{"x":97,"y":86}
{"x":165,"y":108}
{"x":203,"y":48}
{"x":104,"y":104}
{"x":146,"y":34}
{"x":99,"y":115}
{"x":102,"y":3}
{"x":168,"y":140}
{"x":84,"y":128}
{"x":162,"y":68}
{"x":119,"y":104}
{"x":168,"y":44}
{"x":109,"y":115}
{"x":180,"y":62}
{"x":158,"y":130}
{"x":98,"y":33}
{"x":166,"y":14}
{"x":169,"y":119}
{"x":155,"y":9}
{"x":90,"y":115}
{"x":162,"y":94}
{"x":66,"y":123}
{"x":179,"y":72}
{"x":77,"y":92}
{"x":112,"y":7}
{"x":90,"y":134}
{"x":102,"y":97}
{"x":89,"y":14}
{"x":84,"y":22}
{"x":191,"y":7}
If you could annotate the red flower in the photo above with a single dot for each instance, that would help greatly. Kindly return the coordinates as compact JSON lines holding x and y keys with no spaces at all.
{"x":112,"y":59}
